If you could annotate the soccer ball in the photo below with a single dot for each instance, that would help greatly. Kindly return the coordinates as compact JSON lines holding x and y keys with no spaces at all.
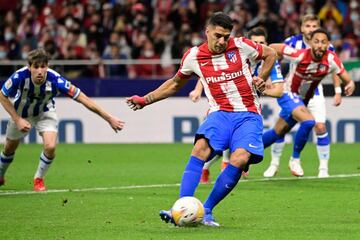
{"x":187,"y":212}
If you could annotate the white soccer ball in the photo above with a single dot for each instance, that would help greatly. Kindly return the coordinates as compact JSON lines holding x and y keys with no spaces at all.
{"x":187,"y":211}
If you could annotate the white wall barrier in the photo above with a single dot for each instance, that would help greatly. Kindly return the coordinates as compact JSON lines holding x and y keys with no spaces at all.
{"x":172,"y":120}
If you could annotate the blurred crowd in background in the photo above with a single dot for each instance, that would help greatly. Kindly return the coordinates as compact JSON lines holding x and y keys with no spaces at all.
{"x":155,"y":29}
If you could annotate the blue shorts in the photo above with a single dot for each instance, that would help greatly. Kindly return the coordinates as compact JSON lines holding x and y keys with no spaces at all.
{"x":234,"y":130}
{"x":288,"y":102}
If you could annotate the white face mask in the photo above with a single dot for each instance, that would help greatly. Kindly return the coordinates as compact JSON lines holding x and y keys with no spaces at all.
{"x":2,"y":54}
{"x":353,"y":4}
{"x":196,"y":41}
{"x":354,"y":16}
{"x":8,"y":36}
{"x":148,"y":53}
{"x":24,"y":55}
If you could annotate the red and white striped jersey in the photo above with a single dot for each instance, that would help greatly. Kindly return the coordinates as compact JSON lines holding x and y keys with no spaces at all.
{"x":226,"y":77}
{"x":306,"y":73}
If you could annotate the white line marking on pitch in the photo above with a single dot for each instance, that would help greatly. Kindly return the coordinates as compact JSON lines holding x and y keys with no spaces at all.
{"x":11,"y":192}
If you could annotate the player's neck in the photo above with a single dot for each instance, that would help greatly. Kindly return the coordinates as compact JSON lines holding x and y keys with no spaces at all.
{"x":305,"y":40}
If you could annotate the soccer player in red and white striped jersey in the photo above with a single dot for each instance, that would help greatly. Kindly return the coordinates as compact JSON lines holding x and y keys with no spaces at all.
{"x":234,"y":121}
{"x":310,"y":66}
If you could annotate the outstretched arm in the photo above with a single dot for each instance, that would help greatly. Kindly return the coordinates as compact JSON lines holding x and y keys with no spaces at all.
{"x":278,"y":47}
{"x":167,"y":89}
{"x":22,"y":124}
{"x":114,"y":122}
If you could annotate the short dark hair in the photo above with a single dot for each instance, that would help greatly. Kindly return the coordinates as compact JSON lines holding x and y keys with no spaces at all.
{"x":38,"y":55}
{"x":320,"y":30}
{"x":222,"y":20}
{"x":257,"y":31}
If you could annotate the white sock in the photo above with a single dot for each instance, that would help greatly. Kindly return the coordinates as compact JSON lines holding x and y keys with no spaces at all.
{"x":209,"y":163}
{"x":324,"y":155}
{"x":5,"y":161}
{"x":276,"y":151}
{"x":43,"y":167}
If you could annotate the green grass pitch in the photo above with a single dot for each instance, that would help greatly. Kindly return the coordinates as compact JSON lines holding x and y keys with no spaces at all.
{"x":116,"y":191}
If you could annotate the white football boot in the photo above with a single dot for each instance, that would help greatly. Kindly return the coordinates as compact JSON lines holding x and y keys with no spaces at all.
{"x":295,"y":167}
{"x":323,"y":169}
{"x":271,"y":171}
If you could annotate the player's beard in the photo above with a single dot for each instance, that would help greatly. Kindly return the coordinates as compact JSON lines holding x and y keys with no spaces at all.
{"x":219,"y":48}
{"x":318,"y":53}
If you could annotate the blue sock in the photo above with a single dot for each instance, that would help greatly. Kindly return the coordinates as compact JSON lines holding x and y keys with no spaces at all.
{"x":269,"y":137}
{"x":191,"y":176}
{"x":226,"y":181}
{"x":323,"y":139}
{"x":302,"y":136}
{"x":5,"y":161}
{"x":281,"y":139}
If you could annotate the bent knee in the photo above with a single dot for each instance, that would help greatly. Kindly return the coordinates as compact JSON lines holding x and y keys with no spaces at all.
{"x":240,"y":158}
{"x":49,"y":149}
{"x":201,"y":149}
{"x":320,"y":128}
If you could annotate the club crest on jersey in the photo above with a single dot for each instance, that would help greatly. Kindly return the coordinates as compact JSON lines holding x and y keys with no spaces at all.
{"x":322,"y":68}
{"x":232,"y":57}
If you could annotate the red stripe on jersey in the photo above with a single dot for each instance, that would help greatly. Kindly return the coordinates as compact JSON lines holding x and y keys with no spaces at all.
{"x":241,"y":83}
{"x":206,"y":65}
{"x":181,"y":75}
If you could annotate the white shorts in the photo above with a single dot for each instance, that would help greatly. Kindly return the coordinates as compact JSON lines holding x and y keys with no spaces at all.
{"x":317,"y":108}
{"x":45,"y":122}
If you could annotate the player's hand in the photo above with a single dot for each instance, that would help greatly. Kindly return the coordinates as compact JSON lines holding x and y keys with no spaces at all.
{"x":337,"y":99}
{"x":194,"y":96}
{"x":349,"y":88}
{"x":259,"y":83}
{"x":136,"y":102}
{"x":116,"y":124}
{"x":23,"y":125}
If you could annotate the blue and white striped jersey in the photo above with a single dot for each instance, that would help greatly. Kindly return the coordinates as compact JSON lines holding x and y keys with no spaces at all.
{"x":275,"y":74}
{"x":30,"y":100}
{"x":297,"y":42}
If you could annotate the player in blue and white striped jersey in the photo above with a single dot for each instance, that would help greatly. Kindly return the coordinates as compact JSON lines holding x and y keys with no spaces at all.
{"x":33,"y":88}
{"x":316,"y":105}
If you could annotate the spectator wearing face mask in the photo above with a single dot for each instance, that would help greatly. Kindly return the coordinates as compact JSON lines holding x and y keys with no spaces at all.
{"x":148,"y":70}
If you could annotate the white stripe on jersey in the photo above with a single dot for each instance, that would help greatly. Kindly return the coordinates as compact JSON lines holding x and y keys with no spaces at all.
{"x":232,"y":94}
{"x":48,"y":94}
{"x":219,"y":62}
{"x":24,"y":97}
{"x":32,"y":105}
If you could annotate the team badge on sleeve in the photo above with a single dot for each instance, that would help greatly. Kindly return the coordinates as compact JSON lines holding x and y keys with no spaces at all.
{"x":8,"y":84}
{"x":232,"y":57}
